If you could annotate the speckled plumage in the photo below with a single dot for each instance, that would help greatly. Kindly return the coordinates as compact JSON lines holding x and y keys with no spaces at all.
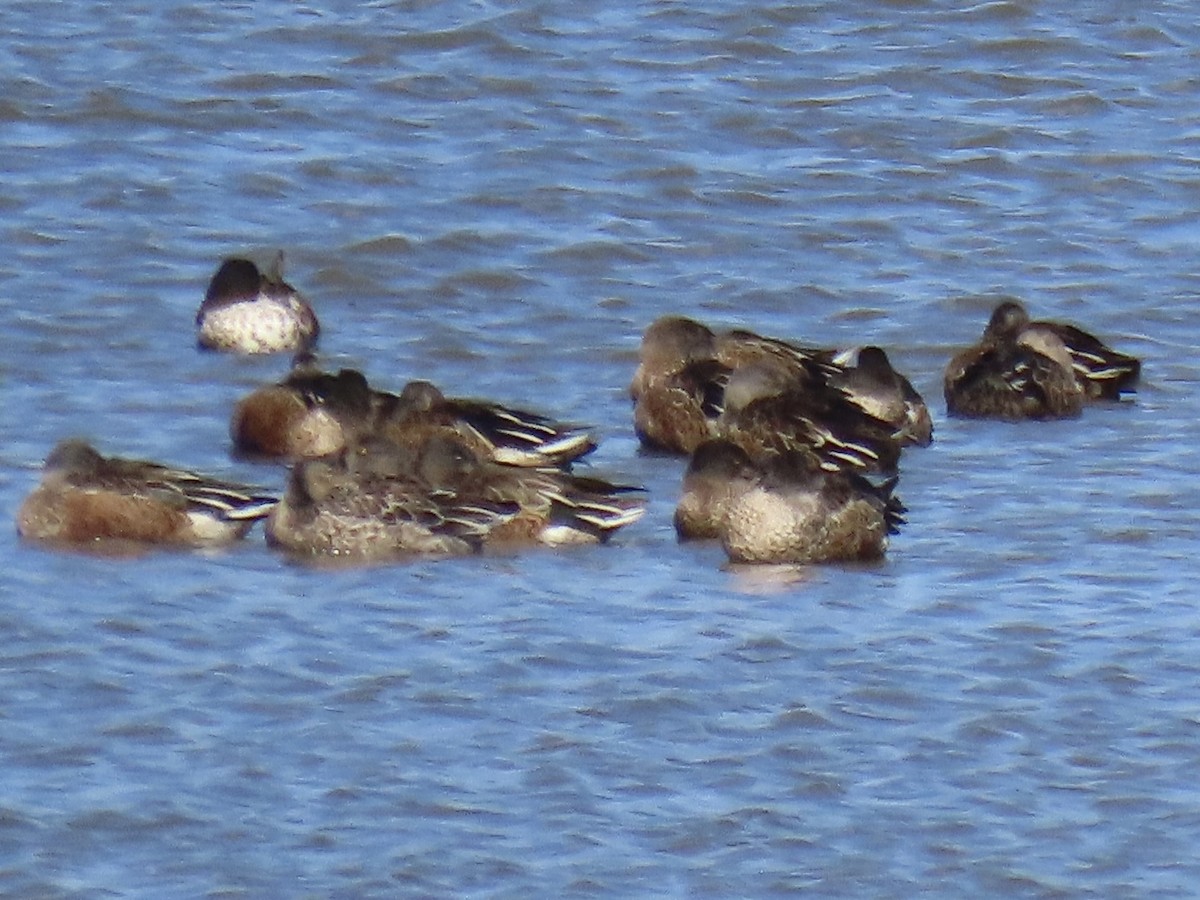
{"x":799,"y":514}
{"x":854,"y":409}
{"x":766,"y":414}
{"x":1014,"y":372}
{"x":332,"y":510}
{"x":1102,"y":372}
{"x":248,"y":311}
{"x":555,"y":507}
{"x":504,"y":434}
{"x":783,"y":509}
{"x":718,"y":472}
{"x":84,"y":497}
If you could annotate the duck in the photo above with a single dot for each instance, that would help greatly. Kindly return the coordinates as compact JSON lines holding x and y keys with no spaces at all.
{"x":797,"y":513}
{"x":678,"y":386}
{"x":246,"y":310}
{"x":863,"y":376}
{"x":338,"y":507}
{"x":766,"y":414}
{"x":684,"y":370}
{"x":1102,"y":372}
{"x":313,"y":413}
{"x":785,"y":509}
{"x":86,"y":498}
{"x":504,"y":434}
{"x":555,"y":507}
{"x":309,"y":414}
{"x":869,"y":380}
{"x":1014,"y":372}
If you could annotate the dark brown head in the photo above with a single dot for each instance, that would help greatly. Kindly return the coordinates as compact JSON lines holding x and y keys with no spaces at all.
{"x":73,"y":455}
{"x":671,"y":342}
{"x":236,"y":279}
{"x":349,"y":391}
{"x":420,"y":396}
{"x":874,"y":363}
{"x":1008,"y":320}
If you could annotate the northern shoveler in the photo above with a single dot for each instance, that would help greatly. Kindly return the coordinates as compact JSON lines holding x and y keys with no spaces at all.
{"x":246,"y":310}
{"x":313,"y":413}
{"x":765,"y":414}
{"x":1103,"y":373}
{"x":334,"y":509}
{"x":380,"y":499}
{"x":555,"y":507}
{"x":1015,"y":371}
{"x":680,"y":388}
{"x":785,"y":509}
{"x":84,"y":497}
{"x":308,"y":414}
{"x":504,"y":434}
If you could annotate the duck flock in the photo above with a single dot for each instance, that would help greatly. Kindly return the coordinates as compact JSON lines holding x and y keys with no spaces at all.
{"x":792,"y":451}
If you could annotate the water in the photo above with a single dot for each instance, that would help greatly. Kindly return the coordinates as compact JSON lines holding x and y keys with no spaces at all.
{"x":500,"y":199}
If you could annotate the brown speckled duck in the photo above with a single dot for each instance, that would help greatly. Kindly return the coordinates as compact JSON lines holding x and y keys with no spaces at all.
{"x":86,"y":498}
{"x":380,"y":499}
{"x":308,"y":414}
{"x":313,"y":413}
{"x":554,"y":507}
{"x":766,"y":414}
{"x":1022,"y":369}
{"x":503,"y":434}
{"x":680,"y":388}
{"x":785,"y":509}
{"x":335,"y":507}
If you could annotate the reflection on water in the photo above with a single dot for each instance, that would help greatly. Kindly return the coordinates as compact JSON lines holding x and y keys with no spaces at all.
{"x":1004,"y":706}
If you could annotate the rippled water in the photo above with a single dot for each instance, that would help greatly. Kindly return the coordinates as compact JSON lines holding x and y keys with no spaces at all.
{"x":500,"y":199}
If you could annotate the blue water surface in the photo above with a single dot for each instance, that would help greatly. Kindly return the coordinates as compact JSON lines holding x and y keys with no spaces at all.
{"x":499,"y":198}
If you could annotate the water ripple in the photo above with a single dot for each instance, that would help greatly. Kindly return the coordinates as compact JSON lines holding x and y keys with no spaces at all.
{"x":501,"y":201}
